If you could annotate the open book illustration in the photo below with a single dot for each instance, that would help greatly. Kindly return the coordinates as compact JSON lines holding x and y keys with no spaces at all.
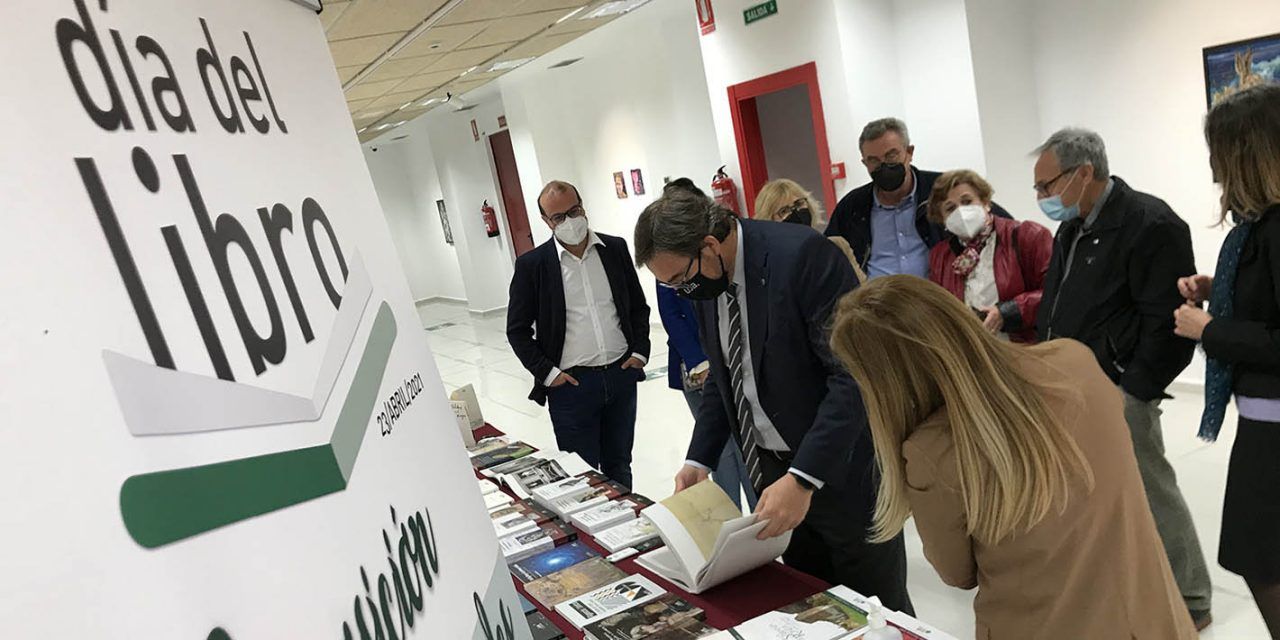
{"x":708,"y":540}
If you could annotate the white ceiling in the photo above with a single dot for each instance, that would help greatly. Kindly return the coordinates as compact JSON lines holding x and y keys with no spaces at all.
{"x":394,"y":55}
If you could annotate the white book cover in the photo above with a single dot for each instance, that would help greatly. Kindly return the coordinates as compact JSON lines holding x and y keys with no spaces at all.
{"x":708,"y":540}
{"x":896,"y":618}
{"x":561,"y":467}
{"x":608,"y":600}
{"x":595,"y":496}
{"x":603,"y":516}
{"x":496,"y":500}
{"x":523,"y":545}
{"x":570,"y":487}
{"x":627,"y":534}
{"x":512,"y":466}
{"x":487,"y":487}
{"x":488,"y":444}
{"x":836,"y":614}
{"x":512,"y":526}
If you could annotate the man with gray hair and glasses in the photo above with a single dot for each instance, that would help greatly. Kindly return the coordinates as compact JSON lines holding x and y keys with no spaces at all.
{"x":1112,"y":284}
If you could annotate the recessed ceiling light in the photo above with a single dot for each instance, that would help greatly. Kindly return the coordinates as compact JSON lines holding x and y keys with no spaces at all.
{"x":362,"y":129}
{"x":505,"y":65}
{"x":430,"y":101}
{"x":613,"y":8}
{"x":405,"y":105}
{"x":571,"y":14}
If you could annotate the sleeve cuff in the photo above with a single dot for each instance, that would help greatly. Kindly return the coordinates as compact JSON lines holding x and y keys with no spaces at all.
{"x":812,"y":480}
{"x":1011,"y":315}
{"x":642,"y":359}
{"x":701,"y":366}
{"x":551,"y":377}
{"x":698,"y":465}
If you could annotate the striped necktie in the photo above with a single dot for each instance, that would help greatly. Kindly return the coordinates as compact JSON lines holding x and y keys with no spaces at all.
{"x":746,"y":421}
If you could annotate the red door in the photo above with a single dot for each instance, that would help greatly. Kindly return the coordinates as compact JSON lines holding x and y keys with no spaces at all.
{"x":504,"y":158}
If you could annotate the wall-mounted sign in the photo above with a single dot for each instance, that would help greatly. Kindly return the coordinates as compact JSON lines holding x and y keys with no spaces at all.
{"x":706,"y":16}
{"x":502,"y":122}
{"x":837,"y":171}
{"x":250,"y":438}
{"x":760,"y":11}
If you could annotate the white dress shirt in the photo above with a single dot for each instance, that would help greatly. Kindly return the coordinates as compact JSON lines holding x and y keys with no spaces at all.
{"x":592,"y":329}
{"x":766,"y":434}
{"x":980,"y":290}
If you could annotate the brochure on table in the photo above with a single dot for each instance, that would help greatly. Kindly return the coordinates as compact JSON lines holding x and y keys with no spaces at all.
{"x":708,"y":540}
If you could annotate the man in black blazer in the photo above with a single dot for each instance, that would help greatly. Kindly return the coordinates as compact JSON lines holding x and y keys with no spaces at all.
{"x":764,"y":293}
{"x":578,"y":321}
{"x":886,"y":221}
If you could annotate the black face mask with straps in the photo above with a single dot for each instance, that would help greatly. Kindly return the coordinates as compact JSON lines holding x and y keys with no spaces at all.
{"x":702,"y":287}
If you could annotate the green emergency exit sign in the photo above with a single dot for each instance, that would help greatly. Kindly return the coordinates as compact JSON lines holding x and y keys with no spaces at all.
{"x":760,"y":11}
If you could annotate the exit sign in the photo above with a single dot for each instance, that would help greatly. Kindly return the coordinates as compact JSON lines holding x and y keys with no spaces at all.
{"x":762,"y":10}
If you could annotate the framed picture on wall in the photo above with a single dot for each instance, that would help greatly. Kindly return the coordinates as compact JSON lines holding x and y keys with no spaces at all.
{"x":637,"y":182}
{"x":1233,"y":66}
{"x":620,"y":184}
{"x":444,"y":221}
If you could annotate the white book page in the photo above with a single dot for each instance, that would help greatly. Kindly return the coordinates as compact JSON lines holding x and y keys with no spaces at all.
{"x":740,"y":552}
{"x":677,"y":539}
{"x":664,"y":563}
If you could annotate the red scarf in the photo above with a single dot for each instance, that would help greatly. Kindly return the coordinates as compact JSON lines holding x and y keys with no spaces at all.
{"x":967,"y":261}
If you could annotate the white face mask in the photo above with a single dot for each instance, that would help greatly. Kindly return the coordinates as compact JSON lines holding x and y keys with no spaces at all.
{"x":967,"y":221}
{"x":572,"y":230}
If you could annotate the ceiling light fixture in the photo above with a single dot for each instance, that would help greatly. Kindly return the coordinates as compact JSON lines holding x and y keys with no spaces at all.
{"x":507,"y":65}
{"x":363,"y":129}
{"x":405,"y":105}
{"x":614,"y":8}
{"x":430,"y":101}
{"x":571,"y":14}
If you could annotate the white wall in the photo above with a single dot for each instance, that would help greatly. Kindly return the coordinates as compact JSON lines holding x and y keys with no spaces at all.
{"x":940,"y":102}
{"x":405,"y":188}
{"x":637,"y":100}
{"x":786,"y":127}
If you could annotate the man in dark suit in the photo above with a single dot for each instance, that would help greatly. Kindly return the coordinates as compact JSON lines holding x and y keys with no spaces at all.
{"x":764,"y":293}
{"x":578,"y":321}
{"x":885,"y":221}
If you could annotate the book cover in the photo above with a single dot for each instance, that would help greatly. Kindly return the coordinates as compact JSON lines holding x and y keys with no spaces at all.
{"x":487,"y":487}
{"x":821,"y":616}
{"x":595,"y":477}
{"x":665,"y":617}
{"x":596,"y":495}
{"x":574,"y":486}
{"x":523,"y":462}
{"x":542,"y":628}
{"x":522,"y":545}
{"x":559,"y":532}
{"x":496,"y":500}
{"x":603,"y":516}
{"x":549,"y":562}
{"x":503,"y":454}
{"x":512,"y":526}
{"x":547,"y":472}
{"x":627,"y":534}
{"x":573,"y":581}
{"x":608,"y":600}
{"x":638,"y":500}
{"x":488,"y":444}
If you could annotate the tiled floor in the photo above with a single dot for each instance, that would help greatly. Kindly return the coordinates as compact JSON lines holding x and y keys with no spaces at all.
{"x":475,"y":350}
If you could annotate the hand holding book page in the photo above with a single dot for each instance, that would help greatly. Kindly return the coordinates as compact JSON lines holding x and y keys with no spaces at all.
{"x":708,"y":540}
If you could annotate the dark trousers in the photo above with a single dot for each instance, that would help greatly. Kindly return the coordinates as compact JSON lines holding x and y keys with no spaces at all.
{"x":831,"y":542}
{"x":596,"y":419}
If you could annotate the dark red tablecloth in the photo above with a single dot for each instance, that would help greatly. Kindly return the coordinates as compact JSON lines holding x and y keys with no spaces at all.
{"x":726,"y":605}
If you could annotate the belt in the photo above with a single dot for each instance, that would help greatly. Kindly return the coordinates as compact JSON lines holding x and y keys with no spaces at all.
{"x":597,"y":367}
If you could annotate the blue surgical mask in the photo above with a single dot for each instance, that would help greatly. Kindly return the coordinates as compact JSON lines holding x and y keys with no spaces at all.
{"x":1055,"y":210}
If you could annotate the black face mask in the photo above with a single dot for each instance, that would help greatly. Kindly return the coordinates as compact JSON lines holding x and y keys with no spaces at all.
{"x":800,"y":216}
{"x":889,"y":177}
{"x":701,"y":287}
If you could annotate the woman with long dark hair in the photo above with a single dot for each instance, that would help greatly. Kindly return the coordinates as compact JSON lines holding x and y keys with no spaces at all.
{"x":1241,"y":336}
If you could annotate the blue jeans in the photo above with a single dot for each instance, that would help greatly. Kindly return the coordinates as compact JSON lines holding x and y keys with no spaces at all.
{"x":596,"y":419}
{"x":730,"y":471}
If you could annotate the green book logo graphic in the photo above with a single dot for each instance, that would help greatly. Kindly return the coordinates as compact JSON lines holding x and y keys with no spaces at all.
{"x":168,"y":506}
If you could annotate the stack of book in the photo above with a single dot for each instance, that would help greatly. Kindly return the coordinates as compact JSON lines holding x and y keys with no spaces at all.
{"x":546,"y":536}
{"x":639,"y":533}
{"x":666,"y":618}
{"x":834,"y":614}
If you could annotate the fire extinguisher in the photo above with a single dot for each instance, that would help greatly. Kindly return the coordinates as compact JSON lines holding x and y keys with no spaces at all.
{"x":724,"y":191}
{"x":490,"y":219}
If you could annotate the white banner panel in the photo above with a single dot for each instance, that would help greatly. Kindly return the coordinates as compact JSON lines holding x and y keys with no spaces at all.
{"x":219,"y":417}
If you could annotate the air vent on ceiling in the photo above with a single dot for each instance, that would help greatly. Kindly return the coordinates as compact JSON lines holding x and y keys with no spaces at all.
{"x":400,"y":137}
{"x":564,"y":63}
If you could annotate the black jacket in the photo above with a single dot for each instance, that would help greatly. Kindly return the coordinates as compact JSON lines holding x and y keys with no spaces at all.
{"x":1250,"y":339}
{"x":851,"y":218}
{"x":794,"y":278}
{"x":536,"y":301}
{"x":1122,"y":289}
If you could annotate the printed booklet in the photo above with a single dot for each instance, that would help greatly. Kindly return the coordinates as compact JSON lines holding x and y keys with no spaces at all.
{"x":608,"y":600}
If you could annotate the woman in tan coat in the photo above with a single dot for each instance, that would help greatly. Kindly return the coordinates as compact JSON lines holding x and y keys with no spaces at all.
{"x":1017,"y":465}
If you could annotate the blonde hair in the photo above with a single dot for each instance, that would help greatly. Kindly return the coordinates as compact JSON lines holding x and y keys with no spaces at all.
{"x":950,"y":180}
{"x":1243,"y":132}
{"x":915,"y":349}
{"x":776,"y":194}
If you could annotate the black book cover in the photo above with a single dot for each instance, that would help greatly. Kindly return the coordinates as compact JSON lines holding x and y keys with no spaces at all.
{"x":542,"y":628}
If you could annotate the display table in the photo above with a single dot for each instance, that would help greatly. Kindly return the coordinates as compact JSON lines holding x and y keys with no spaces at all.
{"x":732,"y":603}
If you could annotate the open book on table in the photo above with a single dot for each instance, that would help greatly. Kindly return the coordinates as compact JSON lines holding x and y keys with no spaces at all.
{"x":708,"y":540}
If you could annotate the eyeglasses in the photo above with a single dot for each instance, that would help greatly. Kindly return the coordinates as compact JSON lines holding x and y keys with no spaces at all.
{"x":797,"y":205}
{"x":576,"y":212}
{"x":684,"y":286}
{"x":1042,"y":188}
{"x":894,"y":156}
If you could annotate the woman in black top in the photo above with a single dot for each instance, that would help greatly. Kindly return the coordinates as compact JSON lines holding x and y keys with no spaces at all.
{"x":1241,"y":336}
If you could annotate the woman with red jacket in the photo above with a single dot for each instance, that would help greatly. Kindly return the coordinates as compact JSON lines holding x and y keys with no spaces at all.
{"x":995,"y":265}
